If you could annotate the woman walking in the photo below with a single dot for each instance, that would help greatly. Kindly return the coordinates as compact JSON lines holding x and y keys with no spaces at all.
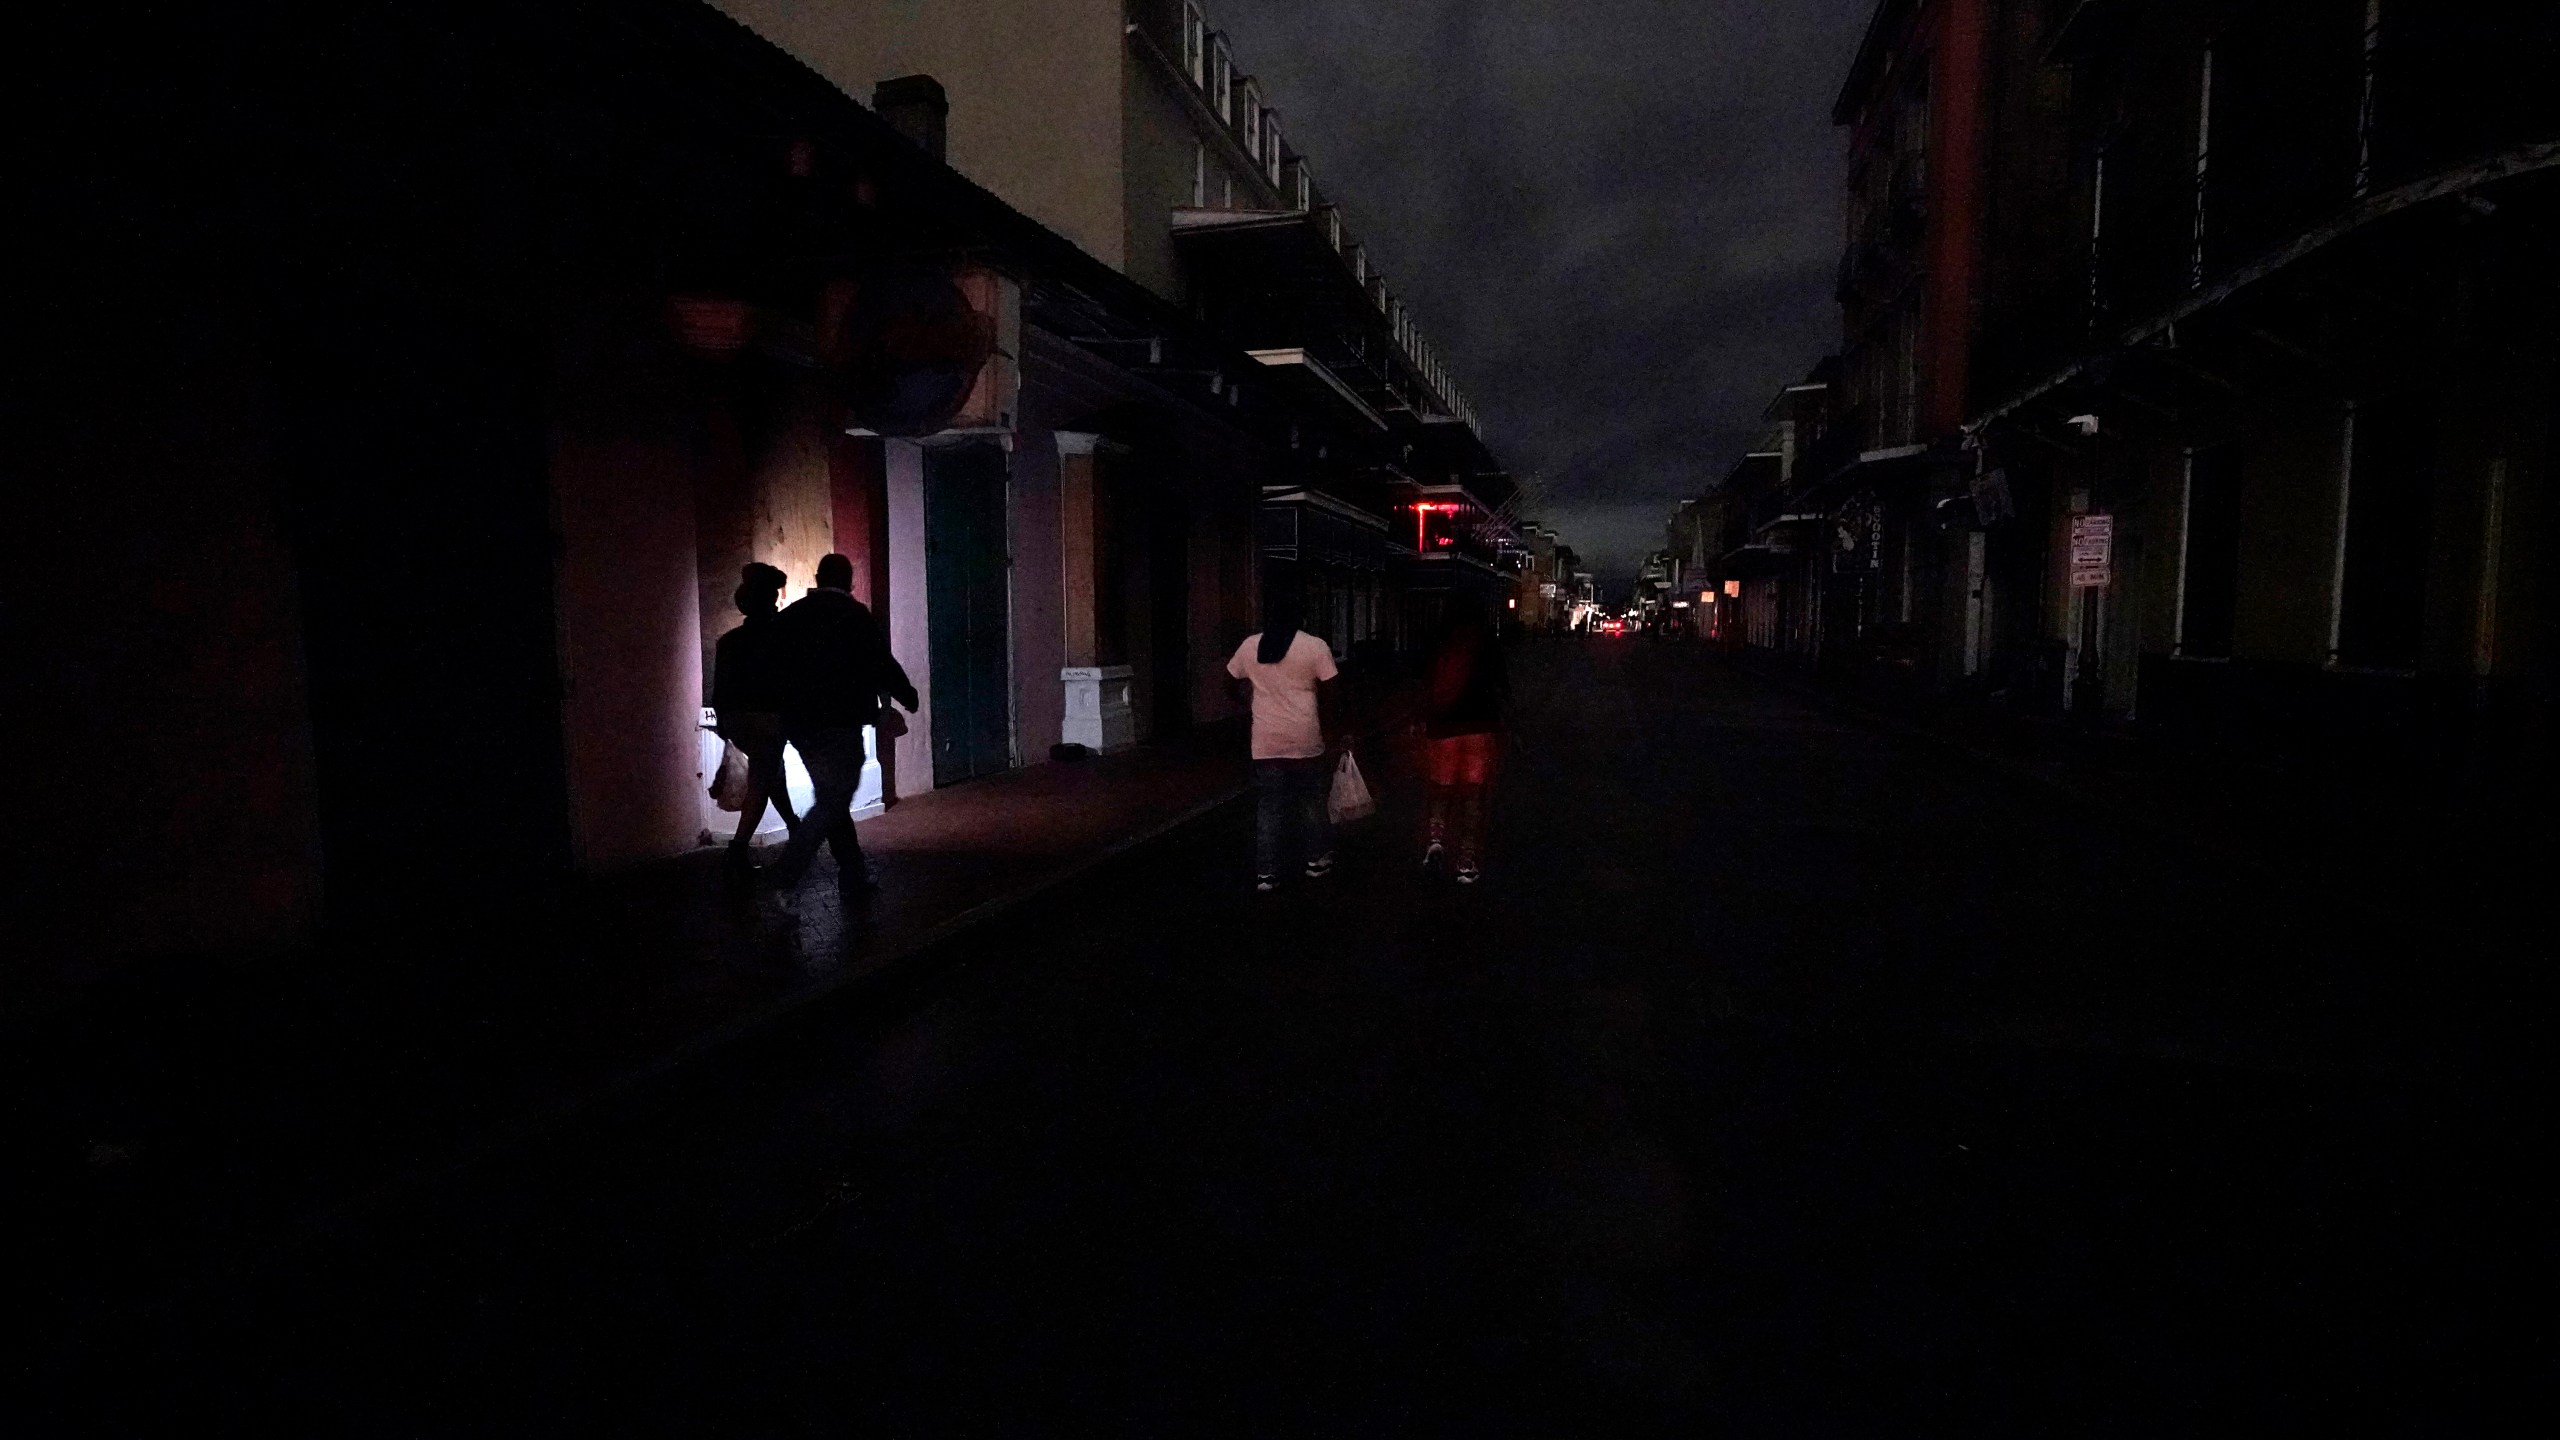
{"x":746,"y":698}
{"x":1284,"y":665}
{"x":1467,"y":687}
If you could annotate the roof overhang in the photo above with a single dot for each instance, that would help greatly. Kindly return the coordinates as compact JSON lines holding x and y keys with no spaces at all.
{"x":1314,"y":382}
{"x":2438,"y":192}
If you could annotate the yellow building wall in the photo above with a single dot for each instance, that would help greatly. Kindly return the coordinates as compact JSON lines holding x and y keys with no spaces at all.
{"x":1035,"y":89}
{"x":1163,"y":148}
{"x":1170,"y":136}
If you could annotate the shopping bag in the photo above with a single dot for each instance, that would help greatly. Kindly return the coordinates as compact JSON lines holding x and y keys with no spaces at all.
{"x":1350,"y":799}
{"x":729,"y":784}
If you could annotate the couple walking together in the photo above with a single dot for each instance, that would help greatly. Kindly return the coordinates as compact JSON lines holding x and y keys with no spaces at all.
{"x":811,"y":676}
{"x":1465,"y":689}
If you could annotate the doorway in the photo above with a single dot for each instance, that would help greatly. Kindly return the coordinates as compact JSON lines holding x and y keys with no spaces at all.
{"x":968,"y":611}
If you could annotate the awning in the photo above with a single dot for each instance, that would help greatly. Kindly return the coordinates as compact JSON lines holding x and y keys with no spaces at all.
{"x":1449,"y":570}
{"x":1891,"y":464}
{"x":1749,"y":561}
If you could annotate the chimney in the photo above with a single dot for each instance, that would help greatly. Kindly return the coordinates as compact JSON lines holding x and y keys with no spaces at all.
{"x":915,"y":107}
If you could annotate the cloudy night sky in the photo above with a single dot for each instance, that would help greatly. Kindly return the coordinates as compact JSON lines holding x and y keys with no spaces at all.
{"x":1617,"y":219}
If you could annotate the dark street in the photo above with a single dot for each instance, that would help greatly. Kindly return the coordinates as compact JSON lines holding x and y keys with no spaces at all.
{"x":690,"y":668}
{"x":1786,"y":1077}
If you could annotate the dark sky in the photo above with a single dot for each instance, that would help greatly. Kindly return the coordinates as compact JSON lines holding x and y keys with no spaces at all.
{"x":1617,"y":219}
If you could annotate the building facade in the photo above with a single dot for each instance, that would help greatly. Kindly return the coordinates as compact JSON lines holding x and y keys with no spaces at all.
{"x":2195,"y":375}
{"x":2283,"y":437}
{"x":1131,"y":127}
{"x":456,"y":425}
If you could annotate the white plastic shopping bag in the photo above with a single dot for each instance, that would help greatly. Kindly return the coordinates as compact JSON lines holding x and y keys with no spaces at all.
{"x":729,"y":784}
{"x":1350,"y":799}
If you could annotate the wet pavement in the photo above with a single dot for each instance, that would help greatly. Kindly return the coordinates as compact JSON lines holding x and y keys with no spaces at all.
{"x":1788,"y":1077}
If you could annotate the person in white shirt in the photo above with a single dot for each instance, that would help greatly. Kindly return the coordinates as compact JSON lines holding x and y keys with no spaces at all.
{"x":1286,"y":666}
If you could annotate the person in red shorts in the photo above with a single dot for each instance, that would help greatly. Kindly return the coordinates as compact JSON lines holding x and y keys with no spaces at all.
{"x":1467,"y":688}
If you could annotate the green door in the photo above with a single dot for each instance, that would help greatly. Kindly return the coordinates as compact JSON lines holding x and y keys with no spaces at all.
{"x":968,"y":611}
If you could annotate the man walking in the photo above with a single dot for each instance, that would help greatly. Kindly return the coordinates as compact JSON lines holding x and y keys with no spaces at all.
{"x":837,"y":668}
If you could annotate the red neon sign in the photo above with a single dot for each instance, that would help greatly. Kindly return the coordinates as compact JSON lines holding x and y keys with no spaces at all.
{"x":1422,"y":512}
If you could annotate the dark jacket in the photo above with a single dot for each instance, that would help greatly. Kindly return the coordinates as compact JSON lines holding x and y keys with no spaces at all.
{"x":836,"y":664}
{"x":747,"y":668}
{"x":1466,"y":684}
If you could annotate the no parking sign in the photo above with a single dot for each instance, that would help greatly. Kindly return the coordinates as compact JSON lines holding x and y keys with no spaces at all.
{"x":2093,"y":544}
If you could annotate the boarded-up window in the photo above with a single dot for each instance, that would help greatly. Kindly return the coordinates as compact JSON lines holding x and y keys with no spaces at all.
{"x":2209,"y":569}
{"x":2390,"y":477}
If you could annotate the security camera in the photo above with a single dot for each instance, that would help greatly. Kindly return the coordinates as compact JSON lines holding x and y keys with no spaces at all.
{"x":2085,"y":424}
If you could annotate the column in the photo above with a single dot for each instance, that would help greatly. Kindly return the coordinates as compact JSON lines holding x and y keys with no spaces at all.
{"x":1098,"y":713}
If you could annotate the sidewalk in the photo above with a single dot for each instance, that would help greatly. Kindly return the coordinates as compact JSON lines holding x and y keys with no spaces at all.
{"x":2438,"y":850}
{"x":165,"y":1130}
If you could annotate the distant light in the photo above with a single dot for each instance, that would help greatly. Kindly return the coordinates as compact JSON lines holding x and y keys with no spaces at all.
{"x":1515,"y":603}
{"x":1733,"y":587}
{"x":1679,"y":604}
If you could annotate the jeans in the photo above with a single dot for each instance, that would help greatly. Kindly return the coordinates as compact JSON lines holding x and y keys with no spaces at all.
{"x":834,"y":756}
{"x":1293,"y":794}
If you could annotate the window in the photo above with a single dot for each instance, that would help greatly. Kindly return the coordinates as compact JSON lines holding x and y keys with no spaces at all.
{"x":2204,"y":155}
{"x":2209,"y":557}
{"x":1271,"y":147}
{"x":1222,"y":76}
{"x":2098,"y":238}
{"x":1199,"y":175}
{"x":1249,"y":119}
{"x":2364,"y":100}
{"x":1226,"y":190}
{"x":1304,"y":184}
{"x":1195,"y":45}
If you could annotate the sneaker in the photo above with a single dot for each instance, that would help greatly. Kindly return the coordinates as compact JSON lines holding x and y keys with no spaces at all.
{"x":1468,"y":874}
{"x":1318,"y":869}
{"x":1265,"y":884}
{"x":1434,"y":856}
